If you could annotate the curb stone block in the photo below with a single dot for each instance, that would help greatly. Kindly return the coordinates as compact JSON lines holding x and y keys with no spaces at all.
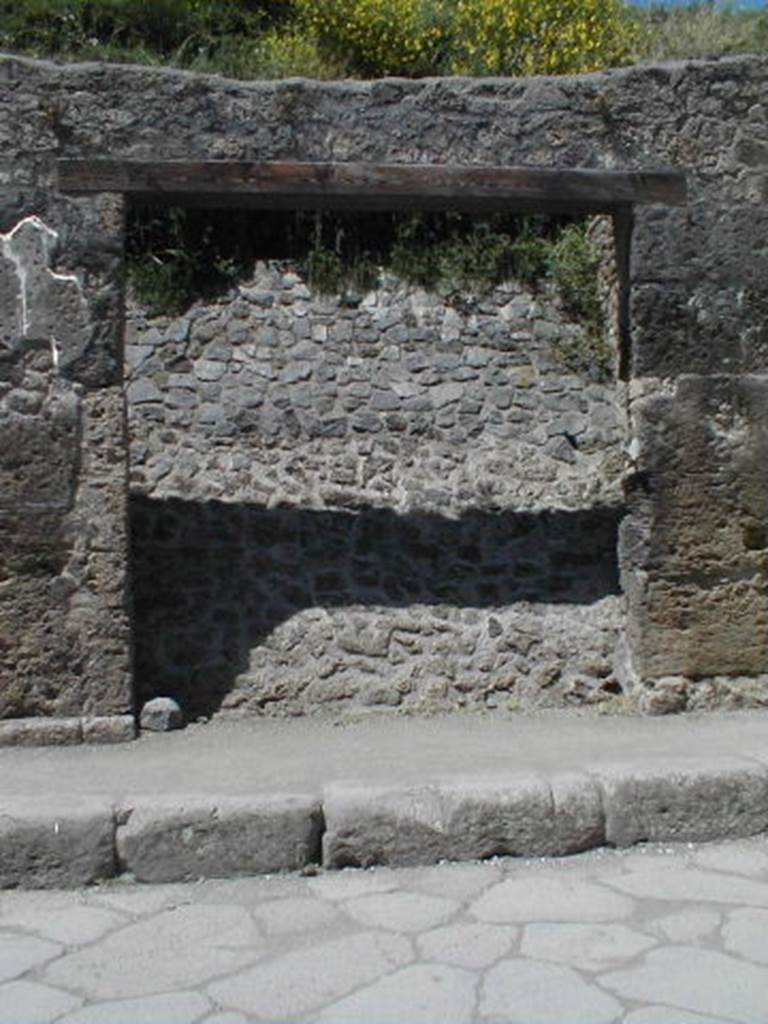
{"x":109,"y":729}
{"x":65,"y":732}
{"x":526,"y":816}
{"x":172,"y":840}
{"x":691,"y":801}
{"x":46,"y":843}
{"x":38,"y":732}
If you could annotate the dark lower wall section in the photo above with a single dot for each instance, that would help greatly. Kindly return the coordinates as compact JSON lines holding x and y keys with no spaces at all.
{"x":290,"y":610}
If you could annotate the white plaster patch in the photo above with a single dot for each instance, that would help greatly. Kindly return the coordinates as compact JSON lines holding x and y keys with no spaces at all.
{"x":29,"y":247}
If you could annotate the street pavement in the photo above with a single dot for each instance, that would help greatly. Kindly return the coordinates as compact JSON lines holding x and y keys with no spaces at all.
{"x":650,"y":935}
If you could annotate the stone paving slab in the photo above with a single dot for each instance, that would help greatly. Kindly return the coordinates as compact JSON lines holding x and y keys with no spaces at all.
{"x":655,"y":934}
{"x":249,"y":797}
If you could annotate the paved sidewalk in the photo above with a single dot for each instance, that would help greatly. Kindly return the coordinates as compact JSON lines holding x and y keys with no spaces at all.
{"x":248,"y":797}
{"x":654,"y":935}
{"x":264,"y":755}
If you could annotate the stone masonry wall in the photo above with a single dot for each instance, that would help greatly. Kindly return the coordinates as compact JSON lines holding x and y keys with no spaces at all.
{"x":64,"y":631}
{"x":379,"y":502}
{"x":692,"y":546}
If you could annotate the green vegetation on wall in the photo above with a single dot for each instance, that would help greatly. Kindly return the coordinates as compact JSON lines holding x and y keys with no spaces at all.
{"x":372,"y":38}
{"x":177,"y":256}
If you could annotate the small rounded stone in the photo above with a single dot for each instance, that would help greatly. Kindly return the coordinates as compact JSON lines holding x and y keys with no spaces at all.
{"x":161,"y":714}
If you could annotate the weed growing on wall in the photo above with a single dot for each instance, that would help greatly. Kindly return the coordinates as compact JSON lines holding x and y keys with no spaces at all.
{"x":466,"y":259}
{"x":575,"y":264}
{"x":177,"y":256}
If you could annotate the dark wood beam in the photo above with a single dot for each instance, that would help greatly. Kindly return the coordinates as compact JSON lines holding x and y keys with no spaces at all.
{"x":294,"y":185}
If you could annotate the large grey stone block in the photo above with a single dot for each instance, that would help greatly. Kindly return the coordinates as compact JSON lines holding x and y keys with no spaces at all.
{"x":109,"y":729}
{"x":691,"y":801}
{"x":460,"y":820}
{"x":38,"y":732}
{"x":55,"y":843}
{"x":172,"y":839}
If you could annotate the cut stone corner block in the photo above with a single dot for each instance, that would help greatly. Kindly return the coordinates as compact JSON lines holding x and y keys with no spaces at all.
{"x":694,"y":545}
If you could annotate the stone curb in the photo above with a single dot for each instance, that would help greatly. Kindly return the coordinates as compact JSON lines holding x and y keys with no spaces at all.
{"x":175,"y":840}
{"x":46,"y":843}
{"x":531,"y":816}
{"x":472,"y":820}
{"x":64,"y":732}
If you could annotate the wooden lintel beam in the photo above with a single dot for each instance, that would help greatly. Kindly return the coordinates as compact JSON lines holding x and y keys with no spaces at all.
{"x":371,"y":186}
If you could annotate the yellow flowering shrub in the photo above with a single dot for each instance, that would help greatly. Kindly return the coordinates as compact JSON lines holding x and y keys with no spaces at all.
{"x":539,"y":37}
{"x":382,"y":37}
{"x":472,"y":37}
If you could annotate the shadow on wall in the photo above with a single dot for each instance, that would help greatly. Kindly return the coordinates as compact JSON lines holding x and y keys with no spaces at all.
{"x":211,"y":581}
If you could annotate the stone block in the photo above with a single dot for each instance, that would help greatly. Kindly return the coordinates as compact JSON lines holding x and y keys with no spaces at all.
{"x":684,"y":801}
{"x":55,"y":842}
{"x":177,"y":839}
{"x":109,"y":729}
{"x":38,"y":732}
{"x":685,"y":629}
{"x":524,"y":816}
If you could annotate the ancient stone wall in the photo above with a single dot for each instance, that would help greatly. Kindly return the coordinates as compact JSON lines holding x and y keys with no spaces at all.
{"x":389,"y":501}
{"x":64,"y":629}
{"x":692,"y":549}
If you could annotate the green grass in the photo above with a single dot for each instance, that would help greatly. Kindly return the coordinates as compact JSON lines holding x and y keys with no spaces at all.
{"x":261,"y":39}
{"x":699,"y":31}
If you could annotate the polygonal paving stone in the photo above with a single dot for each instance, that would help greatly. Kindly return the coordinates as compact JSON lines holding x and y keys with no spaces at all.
{"x":20,"y":953}
{"x":677,"y":883}
{"x":253,"y":891}
{"x":73,"y":926}
{"x":172,"y":950}
{"x":588,"y":947}
{"x":169,"y":1008}
{"x":472,"y":945}
{"x":139,"y":899}
{"x":691,"y":924}
{"x":696,"y":979}
{"x":422,"y":994}
{"x":306,"y":979}
{"x":400,"y":911}
{"x":735,"y":857}
{"x":526,"y":992}
{"x":226,"y":1018}
{"x":351,"y":882}
{"x":453,"y":881}
{"x":284,"y":917}
{"x":746,"y":934}
{"x":550,"y":898}
{"x":667,"y":1015}
{"x":26,"y":1002}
